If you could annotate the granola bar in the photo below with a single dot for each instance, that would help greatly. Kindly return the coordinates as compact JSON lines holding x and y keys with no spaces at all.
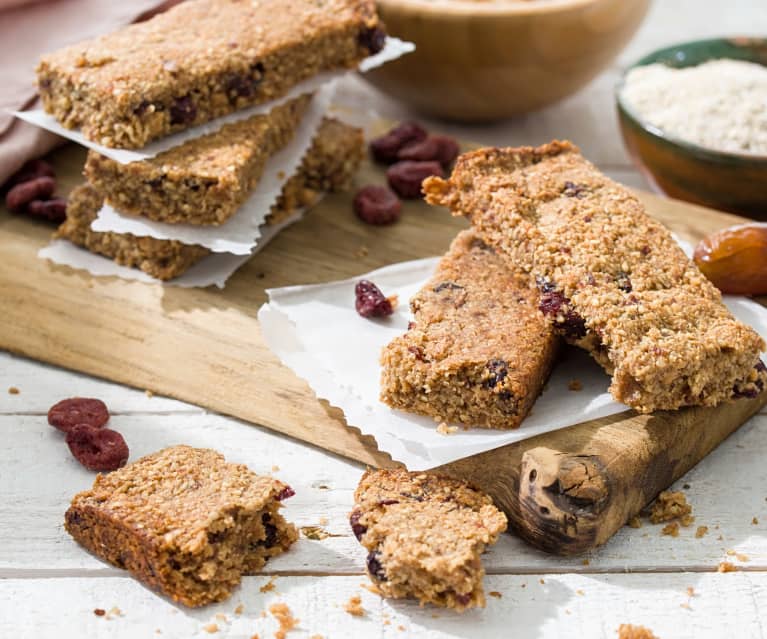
{"x":425,"y":534}
{"x":203,"y":181}
{"x":611,"y":279}
{"x":478,"y":350}
{"x":198,"y":61}
{"x":329,"y":164}
{"x":184,"y":522}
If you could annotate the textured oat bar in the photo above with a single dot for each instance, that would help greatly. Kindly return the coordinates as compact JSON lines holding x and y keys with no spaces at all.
{"x":184,"y":522}
{"x":200,"y":60}
{"x":425,"y":534}
{"x":203,"y":181}
{"x":611,"y":279}
{"x":478,"y":350}
{"x":329,"y":165}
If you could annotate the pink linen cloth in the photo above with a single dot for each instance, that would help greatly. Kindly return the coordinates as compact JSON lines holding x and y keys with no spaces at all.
{"x":29,"y":28}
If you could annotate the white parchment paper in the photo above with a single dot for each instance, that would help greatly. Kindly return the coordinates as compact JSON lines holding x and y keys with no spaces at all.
{"x":213,"y":270}
{"x":393,"y":49}
{"x":240,"y":233}
{"x":316,"y":332}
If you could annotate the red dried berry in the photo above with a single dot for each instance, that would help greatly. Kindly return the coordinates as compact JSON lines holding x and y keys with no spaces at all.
{"x":385,"y":148}
{"x":69,"y":413}
{"x":406,"y":177}
{"x":98,"y":449}
{"x":22,"y":194}
{"x":54,"y":210}
{"x":370,"y":301}
{"x":439,"y":148}
{"x":32,"y":169}
{"x":285,"y":493}
{"x":377,"y":205}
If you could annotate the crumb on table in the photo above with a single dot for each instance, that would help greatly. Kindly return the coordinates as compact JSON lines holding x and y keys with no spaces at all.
{"x":210,"y":628}
{"x":629,"y":631}
{"x":354,"y":606}
{"x":701,"y":531}
{"x":726,"y":566}
{"x":13,"y":390}
{"x":575,"y":385}
{"x":495,"y":593}
{"x":269,"y":585}
{"x":284,"y":617}
{"x":670,"y":505}
{"x":315,"y":533}
{"x":671,"y":529}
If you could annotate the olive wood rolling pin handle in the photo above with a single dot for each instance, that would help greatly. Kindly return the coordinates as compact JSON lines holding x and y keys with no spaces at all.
{"x":570,"y":490}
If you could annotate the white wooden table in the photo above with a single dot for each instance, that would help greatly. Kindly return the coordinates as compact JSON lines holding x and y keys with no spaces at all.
{"x":49,"y":587}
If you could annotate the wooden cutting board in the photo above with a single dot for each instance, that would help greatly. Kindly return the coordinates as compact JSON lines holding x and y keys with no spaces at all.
{"x":565,"y":491}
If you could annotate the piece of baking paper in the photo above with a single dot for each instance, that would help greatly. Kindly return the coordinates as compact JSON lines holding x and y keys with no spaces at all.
{"x":393,"y":49}
{"x":239,"y":234}
{"x":213,"y":270}
{"x":316,"y":332}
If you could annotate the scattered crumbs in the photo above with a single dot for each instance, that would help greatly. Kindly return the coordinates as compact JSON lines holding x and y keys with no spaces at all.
{"x":541,"y":580}
{"x":99,"y":612}
{"x":445,"y":429}
{"x":316,"y":533}
{"x":627,"y":631}
{"x":495,"y":593}
{"x":268,"y":586}
{"x":354,"y":606}
{"x":716,"y":527}
{"x":239,"y":609}
{"x":387,"y":622}
{"x":754,"y":522}
{"x":222,"y":617}
{"x":114,"y":611}
{"x":635,"y":522}
{"x":701,"y":531}
{"x":687,"y":520}
{"x":686,"y":605}
{"x":672,"y":529}
{"x":362,"y":251}
{"x":284,"y":617}
{"x":585,"y":562}
{"x":401,"y":628}
{"x":668,"y":506}
{"x":579,"y":592}
{"x":739,"y":556}
{"x":686,"y":486}
{"x":690,"y":591}
{"x":13,"y":390}
{"x":158,"y":631}
{"x":255,"y":636}
{"x":394,"y":301}
{"x":523,"y":585}
{"x":726,"y":566}
{"x":720,"y":538}
{"x":323,"y":521}
{"x":316,"y":637}
{"x":148,"y":393}
{"x":575,"y":385}
{"x":323,"y":487}
{"x":371,"y":587}
{"x":434,"y":615}
{"x":211,"y":628}
{"x":275,"y":468}
{"x":281,"y":175}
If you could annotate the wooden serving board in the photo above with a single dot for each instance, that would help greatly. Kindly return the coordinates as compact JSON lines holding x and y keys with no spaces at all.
{"x":565,"y":491}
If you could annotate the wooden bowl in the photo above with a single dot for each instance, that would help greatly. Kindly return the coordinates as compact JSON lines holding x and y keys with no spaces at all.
{"x":727,"y":181}
{"x":485,"y":61}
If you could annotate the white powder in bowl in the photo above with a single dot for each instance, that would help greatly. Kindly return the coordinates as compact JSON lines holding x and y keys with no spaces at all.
{"x":720,"y":104}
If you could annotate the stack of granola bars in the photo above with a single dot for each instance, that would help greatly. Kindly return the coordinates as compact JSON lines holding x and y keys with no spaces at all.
{"x":206,"y":126}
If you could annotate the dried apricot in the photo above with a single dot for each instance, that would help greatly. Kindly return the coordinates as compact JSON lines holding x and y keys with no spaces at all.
{"x":735,"y":259}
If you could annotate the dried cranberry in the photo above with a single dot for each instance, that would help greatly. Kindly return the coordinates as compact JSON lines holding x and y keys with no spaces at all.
{"x":375,"y":569}
{"x":498,"y":370}
{"x":270,"y":532}
{"x":439,"y":148}
{"x":69,"y":413}
{"x":463,"y":599}
{"x":183,"y":110}
{"x":32,"y":169}
{"x":54,"y":210}
{"x":357,"y":528}
{"x":574,"y":190}
{"x":99,"y":449}
{"x":370,"y":301}
{"x":406,"y":177}
{"x":373,"y":39}
{"x":385,"y":148}
{"x":555,"y":305}
{"x":40,"y":188}
{"x":388,"y":502}
{"x":242,"y":86}
{"x":624,"y":282}
{"x":285,"y":493}
{"x":377,"y":205}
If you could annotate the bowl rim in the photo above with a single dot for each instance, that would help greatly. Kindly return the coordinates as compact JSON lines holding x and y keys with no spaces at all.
{"x":490,"y":8}
{"x":691,"y":147}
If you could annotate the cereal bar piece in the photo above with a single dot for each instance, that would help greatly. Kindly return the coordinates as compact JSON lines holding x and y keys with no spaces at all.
{"x":203,"y":181}
{"x":163,"y":259}
{"x":478,"y":350}
{"x":200,"y":60}
{"x":184,"y":522}
{"x":425,"y":534}
{"x":612,"y":279}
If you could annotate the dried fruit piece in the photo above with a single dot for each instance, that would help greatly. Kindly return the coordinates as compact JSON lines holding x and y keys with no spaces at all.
{"x":68,"y":413}
{"x":32,"y":169}
{"x":373,"y":39}
{"x":19,"y":196}
{"x":98,"y":449}
{"x":54,"y":210}
{"x":735,"y":259}
{"x":377,"y":205}
{"x":183,"y":110}
{"x":439,"y":148}
{"x":357,"y":528}
{"x":385,"y":148}
{"x":370,"y":301}
{"x":406,"y":177}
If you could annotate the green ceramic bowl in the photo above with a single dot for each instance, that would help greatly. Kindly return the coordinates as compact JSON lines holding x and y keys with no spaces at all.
{"x":728,"y":181}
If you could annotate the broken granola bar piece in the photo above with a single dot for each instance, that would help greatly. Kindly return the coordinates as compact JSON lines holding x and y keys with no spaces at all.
{"x":478,"y":351}
{"x":184,"y":522}
{"x":612,"y":279}
{"x":425,"y":534}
